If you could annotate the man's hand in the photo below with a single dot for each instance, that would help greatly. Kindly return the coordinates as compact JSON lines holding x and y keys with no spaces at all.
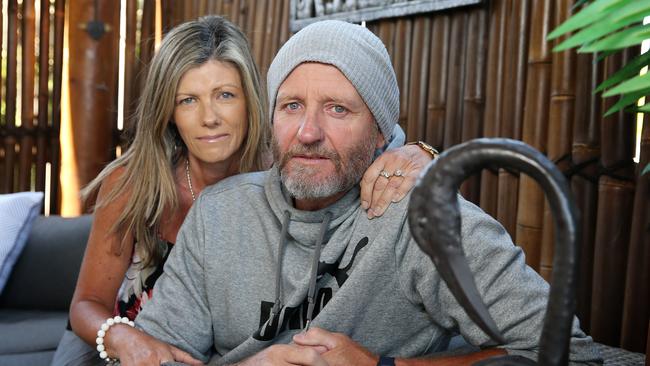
{"x":340,"y":349}
{"x":390,"y":177}
{"x":285,"y":354}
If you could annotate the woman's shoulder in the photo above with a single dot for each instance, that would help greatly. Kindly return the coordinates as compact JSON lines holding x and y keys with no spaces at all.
{"x":113,"y":187}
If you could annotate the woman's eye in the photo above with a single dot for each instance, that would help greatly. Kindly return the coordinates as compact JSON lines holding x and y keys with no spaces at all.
{"x":227,"y":95}
{"x":186,"y":100}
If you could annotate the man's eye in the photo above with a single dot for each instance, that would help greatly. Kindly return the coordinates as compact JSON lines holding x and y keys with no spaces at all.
{"x":293,"y":106}
{"x":339,"y":109}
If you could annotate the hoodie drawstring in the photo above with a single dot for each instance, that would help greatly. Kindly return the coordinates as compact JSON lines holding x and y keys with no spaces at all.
{"x":277,"y":306}
{"x":278,"y":272}
{"x":314,"y":268}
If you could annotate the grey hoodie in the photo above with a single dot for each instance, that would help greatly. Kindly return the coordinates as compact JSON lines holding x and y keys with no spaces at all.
{"x":374,"y":284}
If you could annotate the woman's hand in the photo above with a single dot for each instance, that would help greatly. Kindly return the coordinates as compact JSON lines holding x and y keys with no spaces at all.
{"x":134,"y":347}
{"x":390,"y":177}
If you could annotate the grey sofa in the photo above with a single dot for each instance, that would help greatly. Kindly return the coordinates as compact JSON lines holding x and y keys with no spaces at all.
{"x":34,"y":304}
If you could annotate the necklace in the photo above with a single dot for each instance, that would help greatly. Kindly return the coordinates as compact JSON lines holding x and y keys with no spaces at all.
{"x":189,"y":179}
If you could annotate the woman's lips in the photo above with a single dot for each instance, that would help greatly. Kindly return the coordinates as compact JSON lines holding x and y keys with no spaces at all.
{"x":212,"y":138}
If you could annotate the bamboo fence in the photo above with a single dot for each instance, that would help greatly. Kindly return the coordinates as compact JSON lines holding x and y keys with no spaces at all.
{"x":483,"y":70}
{"x":30,"y":136}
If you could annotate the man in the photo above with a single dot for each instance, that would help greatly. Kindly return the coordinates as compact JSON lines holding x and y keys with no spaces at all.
{"x":263,"y":257}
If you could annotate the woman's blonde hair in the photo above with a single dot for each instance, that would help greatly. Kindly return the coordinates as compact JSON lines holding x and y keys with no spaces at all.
{"x":156,"y":146}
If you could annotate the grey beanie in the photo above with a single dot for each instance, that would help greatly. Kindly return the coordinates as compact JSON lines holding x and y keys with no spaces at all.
{"x":356,"y":52}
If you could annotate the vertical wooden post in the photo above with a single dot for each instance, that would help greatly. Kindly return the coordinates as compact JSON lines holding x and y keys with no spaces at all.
{"x":419,"y":68}
{"x":92,"y":71}
{"x":615,"y":201}
{"x":438,"y":70}
{"x":43,"y":94}
{"x":27,"y":95}
{"x":57,"y":70}
{"x":585,"y":156}
{"x":636,"y":311}
{"x":494,"y":97}
{"x":534,"y":131}
{"x":455,"y":80}
{"x":514,"y":85}
{"x":131,"y":67}
{"x":10,"y":96}
{"x":560,"y":128}
{"x":474,"y":90}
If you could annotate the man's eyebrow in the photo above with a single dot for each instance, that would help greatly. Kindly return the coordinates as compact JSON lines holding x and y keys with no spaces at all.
{"x":285,"y":96}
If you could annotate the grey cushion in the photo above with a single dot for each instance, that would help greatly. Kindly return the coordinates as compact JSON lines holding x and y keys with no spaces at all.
{"x":32,"y":359}
{"x":30,"y":331}
{"x":45,"y":275}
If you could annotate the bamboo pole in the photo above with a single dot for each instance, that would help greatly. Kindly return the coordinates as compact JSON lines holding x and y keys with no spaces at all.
{"x":214,"y":7}
{"x":438,"y":69}
{"x":455,"y":80}
{"x":131,"y":66}
{"x":615,"y":201}
{"x":235,"y":11}
{"x":10,"y":101}
{"x":55,"y":146}
{"x":147,"y":34}
{"x":585,"y":156}
{"x":203,"y":8}
{"x":385,"y":32}
{"x":257,"y":30}
{"x":249,"y":23}
{"x":285,"y":33}
{"x":534,"y":131}
{"x":28,"y":33}
{"x":403,"y":37}
{"x":474,"y":90}
{"x":560,"y":127}
{"x":514,"y":84}
{"x":271,"y":35}
{"x":43,"y":128}
{"x":636,"y":311}
{"x":494,"y":97}
{"x":419,"y":68}
{"x":647,"y":347}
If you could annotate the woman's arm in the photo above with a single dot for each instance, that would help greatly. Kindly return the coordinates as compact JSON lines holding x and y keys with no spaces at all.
{"x":102,"y":272}
{"x":103,"y":268}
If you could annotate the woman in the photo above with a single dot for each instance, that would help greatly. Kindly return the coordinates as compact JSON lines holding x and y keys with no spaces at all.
{"x":201,"y":118}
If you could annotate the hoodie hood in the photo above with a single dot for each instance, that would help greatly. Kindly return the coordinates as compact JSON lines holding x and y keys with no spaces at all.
{"x":305,"y":225}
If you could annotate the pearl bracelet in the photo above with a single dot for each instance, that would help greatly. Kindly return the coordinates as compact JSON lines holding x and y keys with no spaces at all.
{"x":102,"y":332}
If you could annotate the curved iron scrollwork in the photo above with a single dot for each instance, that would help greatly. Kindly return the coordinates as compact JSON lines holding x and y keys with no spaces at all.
{"x":434,"y":218}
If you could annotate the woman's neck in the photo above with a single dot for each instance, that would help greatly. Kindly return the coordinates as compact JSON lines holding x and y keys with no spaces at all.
{"x":205,"y":174}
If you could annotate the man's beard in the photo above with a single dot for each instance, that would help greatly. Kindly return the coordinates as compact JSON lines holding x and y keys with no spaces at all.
{"x":302,"y":182}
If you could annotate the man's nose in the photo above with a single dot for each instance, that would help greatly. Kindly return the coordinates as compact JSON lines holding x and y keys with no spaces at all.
{"x":310,"y":129}
{"x":209,"y":115}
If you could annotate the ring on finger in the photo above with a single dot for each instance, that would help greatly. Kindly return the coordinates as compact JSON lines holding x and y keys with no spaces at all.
{"x":398,"y":173}
{"x":385,"y":174}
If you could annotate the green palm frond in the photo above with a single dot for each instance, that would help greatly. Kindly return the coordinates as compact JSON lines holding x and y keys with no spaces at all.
{"x":605,"y":27}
